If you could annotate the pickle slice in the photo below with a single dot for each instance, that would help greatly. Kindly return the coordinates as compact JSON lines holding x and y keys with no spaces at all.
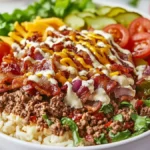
{"x":115,"y":11}
{"x":126,"y":18}
{"x":103,"y":10}
{"x":85,"y":14}
{"x":74,"y":21}
{"x":99,"y":22}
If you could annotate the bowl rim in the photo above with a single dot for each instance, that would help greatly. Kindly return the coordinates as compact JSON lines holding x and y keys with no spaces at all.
{"x":96,"y":147}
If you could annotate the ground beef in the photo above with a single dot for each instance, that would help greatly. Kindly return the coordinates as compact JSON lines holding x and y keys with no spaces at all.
{"x":28,"y":107}
{"x":126,"y":113}
{"x":57,"y":107}
{"x":116,"y":126}
{"x":90,"y":125}
{"x":145,"y":111}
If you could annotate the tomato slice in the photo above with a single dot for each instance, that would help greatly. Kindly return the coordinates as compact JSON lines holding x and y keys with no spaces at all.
{"x":139,"y":25}
{"x":119,"y":32}
{"x":141,"y":45}
{"x":4,"y":50}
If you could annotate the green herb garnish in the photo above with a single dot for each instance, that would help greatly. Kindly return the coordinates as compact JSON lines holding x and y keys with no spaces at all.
{"x":74,"y":129}
{"x":49,"y":122}
{"x":141,"y":122}
{"x":60,"y":7}
{"x":120,"y":135}
{"x":126,"y":104}
{"x":107,"y":108}
{"x":101,"y":140}
{"x":147,"y":102}
{"x":118,"y":117}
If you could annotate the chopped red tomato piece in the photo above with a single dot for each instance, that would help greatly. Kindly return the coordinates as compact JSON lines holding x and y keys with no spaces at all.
{"x":141,"y":45}
{"x":99,"y":115}
{"x":4,"y":49}
{"x":108,"y":124}
{"x":33,"y":119}
{"x":139,"y":25}
{"x":139,"y":104}
{"x":119,"y":32}
{"x":129,"y":125}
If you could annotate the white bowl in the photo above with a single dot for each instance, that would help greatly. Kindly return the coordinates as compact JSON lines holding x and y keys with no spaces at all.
{"x":140,"y":142}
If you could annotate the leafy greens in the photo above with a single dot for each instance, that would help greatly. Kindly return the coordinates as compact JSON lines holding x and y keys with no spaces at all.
{"x":72,"y":125}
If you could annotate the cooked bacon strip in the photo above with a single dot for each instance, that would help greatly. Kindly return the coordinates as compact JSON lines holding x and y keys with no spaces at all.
{"x":93,"y":106}
{"x":121,"y":68}
{"x":105,"y":82}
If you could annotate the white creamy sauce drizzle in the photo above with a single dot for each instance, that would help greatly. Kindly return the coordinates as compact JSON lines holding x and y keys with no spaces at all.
{"x":110,"y":39}
{"x":34,"y":78}
{"x":89,"y":84}
{"x":83,"y":73}
{"x":95,"y":63}
{"x":67,"y":43}
{"x":28,"y":58}
{"x":44,"y":73}
{"x":31,"y":43}
{"x":123,"y":80}
{"x":105,"y":71}
{"x":18,"y":52}
{"x":101,"y":95}
{"x":69,"y":69}
{"x":101,"y":44}
{"x":45,"y":55}
{"x":64,"y":27}
{"x":71,"y":99}
{"x":139,"y":71}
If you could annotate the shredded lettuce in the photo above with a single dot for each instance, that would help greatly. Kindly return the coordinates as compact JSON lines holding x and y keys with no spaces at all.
{"x":44,"y":9}
{"x":141,"y":122}
{"x":118,"y":117}
{"x":107,"y":108}
{"x":72,"y":125}
{"x":147,"y":102}
{"x":126,"y":104}
{"x":60,"y":7}
{"x":49,"y":122}
{"x":120,"y":135}
{"x":101,"y":140}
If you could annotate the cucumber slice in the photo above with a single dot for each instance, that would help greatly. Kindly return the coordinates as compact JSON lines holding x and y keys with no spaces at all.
{"x":74,"y":21}
{"x":126,"y":18}
{"x":115,"y":11}
{"x":85,"y":14}
{"x":103,"y":10}
{"x":99,"y":22}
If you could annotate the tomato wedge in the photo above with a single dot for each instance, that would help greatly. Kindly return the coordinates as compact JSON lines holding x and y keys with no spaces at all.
{"x":119,"y":32}
{"x":139,"y":25}
{"x":4,"y":50}
{"x":141,"y":45}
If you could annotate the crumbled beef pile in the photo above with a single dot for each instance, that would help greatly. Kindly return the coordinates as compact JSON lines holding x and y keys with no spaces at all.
{"x":33,"y":108}
{"x":145,"y":111}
